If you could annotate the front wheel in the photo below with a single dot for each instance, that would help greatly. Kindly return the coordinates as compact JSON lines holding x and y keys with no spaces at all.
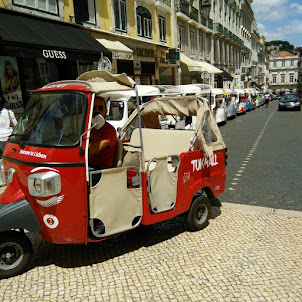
{"x":15,"y":253}
{"x":199,"y":214}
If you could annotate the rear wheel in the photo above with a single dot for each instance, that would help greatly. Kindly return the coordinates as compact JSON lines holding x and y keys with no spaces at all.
{"x":199,"y":214}
{"x":15,"y":253}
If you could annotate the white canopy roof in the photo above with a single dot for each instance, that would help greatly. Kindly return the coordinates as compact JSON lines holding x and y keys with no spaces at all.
{"x":118,"y":49}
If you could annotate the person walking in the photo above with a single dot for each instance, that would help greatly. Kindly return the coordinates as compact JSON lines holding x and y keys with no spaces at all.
{"x":7,"y":123}
{"x":267,"y":99}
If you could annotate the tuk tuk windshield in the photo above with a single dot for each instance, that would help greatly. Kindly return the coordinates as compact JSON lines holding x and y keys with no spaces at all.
{"x":51,"y":119}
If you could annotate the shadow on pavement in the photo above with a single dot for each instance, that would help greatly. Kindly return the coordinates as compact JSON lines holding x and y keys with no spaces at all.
{"x":71,"y":256}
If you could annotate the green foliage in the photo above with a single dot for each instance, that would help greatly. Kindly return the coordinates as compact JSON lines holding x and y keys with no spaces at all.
{"x":283,"y":45}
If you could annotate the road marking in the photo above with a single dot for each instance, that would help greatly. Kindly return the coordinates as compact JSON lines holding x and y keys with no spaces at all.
{"x":250,"y":154}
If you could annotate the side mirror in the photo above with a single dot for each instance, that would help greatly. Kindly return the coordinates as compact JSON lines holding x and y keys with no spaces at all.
{"x":97,"y":122}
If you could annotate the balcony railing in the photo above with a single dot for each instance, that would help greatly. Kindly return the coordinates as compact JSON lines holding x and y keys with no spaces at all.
{"x":203,"y":21}
{"x":184,"y":7}
{"x":194,"y":14}
{"x":167,"y":2}
{"x":219,"y":28}
{"x":249,"y":7}
{"x":210,"y":24}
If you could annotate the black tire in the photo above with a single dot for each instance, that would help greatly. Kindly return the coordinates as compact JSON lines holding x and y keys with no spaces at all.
{"x":199,"y":214}
{"x":15,"y":253}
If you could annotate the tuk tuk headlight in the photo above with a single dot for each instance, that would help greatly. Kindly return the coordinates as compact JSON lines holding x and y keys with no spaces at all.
{"x":44,"y":184}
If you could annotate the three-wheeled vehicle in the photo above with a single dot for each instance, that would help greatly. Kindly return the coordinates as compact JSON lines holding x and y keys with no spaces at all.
{"x":240,"y":101}
{"x":230,"y":103}
{"x":218,"y":105}
{"x":120,"y":104}
{"x":157,"y":174}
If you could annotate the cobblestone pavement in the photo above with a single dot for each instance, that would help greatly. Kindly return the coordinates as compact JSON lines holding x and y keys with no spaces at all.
{"x":242,"y":255}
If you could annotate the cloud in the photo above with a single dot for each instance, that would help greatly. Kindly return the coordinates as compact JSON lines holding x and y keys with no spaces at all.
{"x":284,"y":32}
{"x":297,"y":7}
{"x":270,"y":10}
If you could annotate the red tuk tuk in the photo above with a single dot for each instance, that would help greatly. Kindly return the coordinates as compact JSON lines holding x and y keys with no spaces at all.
{"x":158,"y":174}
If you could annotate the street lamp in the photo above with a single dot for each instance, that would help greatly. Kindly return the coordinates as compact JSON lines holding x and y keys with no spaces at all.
{"x":206,"y":8}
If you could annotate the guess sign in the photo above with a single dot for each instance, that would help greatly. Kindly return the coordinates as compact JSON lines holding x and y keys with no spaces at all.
{"x":54,"y":54}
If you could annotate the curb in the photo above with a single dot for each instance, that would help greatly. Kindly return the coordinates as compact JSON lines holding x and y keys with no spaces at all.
{"x":262,"y":210}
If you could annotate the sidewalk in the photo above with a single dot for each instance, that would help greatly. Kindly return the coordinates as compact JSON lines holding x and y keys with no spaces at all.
{"x":245,"y":254}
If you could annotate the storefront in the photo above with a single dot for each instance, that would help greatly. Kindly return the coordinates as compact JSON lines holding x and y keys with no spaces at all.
{"x":35,"y":51}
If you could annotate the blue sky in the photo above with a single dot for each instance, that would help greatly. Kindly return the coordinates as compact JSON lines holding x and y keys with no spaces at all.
{"x":279,"y":20}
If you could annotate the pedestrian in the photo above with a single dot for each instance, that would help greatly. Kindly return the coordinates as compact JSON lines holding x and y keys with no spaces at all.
{"x":267,"y":99}
{"x":7,"y":123}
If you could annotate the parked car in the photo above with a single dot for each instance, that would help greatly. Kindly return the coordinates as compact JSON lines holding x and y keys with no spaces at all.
{"x":218,"y":105}
{"x":231,"y":103}
{"x":290,"y":101}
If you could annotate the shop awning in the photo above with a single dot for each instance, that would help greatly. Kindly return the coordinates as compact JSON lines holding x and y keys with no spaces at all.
{"x":25,"y":35}
{"x":191,"y":64}
{"x":226,"y":76}
{"x":210,"y":68}
{"x":118,"y":49}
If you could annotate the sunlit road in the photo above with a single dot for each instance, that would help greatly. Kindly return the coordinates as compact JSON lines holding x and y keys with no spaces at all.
{"x":265,"y":158}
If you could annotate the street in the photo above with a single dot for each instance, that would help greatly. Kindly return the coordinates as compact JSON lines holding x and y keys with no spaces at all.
{"x":265,"y":158}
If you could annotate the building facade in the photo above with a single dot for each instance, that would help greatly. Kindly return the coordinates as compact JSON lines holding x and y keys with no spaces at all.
{"x":283,"y":72}
{"x":217,"y":40}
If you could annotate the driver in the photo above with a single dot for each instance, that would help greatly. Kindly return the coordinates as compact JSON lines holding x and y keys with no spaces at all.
{"x":102,"y":141}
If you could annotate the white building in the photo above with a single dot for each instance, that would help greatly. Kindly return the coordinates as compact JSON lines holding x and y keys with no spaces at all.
{"x":283,"y":72}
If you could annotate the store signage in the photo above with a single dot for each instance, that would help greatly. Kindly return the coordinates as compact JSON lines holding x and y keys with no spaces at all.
{"x":54,"y":54}
{"x":144,"y":52}
{"x":122,"y":55}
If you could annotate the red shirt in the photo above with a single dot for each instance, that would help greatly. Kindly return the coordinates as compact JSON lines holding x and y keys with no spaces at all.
{"x":104,"y":158}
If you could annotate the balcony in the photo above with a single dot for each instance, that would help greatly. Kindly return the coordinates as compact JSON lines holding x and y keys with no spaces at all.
{"x":194,"y":14}
{"x":203,"y":21}
{"x":249,"y":7}
{"x":210,"y":24}
{"x":184,"y":7}
{"x":167,"y":2}
{"x":219,"y":28}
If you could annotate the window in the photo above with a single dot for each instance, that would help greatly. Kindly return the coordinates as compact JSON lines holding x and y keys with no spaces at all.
{"x":91,"y":11}
{"x":162,"y":29}
{"x":144,"y":22}
{"x":291,"y":78}
{"x":181,"y":37}
{"x":275,"y":64}
{"x":283,"y":63}
{"x":50,"y":6}
{"x":120,"y":15}
{"x":192,"y":42}
{"x":292,"y":63}
{"x":274,"y":79}
{"x":282,"y":78}
{"x":201,"y":45}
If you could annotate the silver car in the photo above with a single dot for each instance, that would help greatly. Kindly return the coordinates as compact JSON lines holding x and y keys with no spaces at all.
{"x":290,"y":101}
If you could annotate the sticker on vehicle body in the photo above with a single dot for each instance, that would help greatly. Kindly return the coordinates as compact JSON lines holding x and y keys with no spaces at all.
{"x":186,"y":177}
{"x":51,"y":201}
{"x":206,"y":162}
{"x":33,"y":153}
{"x":51,"y":221}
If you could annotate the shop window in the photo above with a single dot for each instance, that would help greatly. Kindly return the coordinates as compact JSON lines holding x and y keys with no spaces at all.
{"x":120,"y":15}
{"x":50,"y":6}
{"x":144,"y":22}
{"x":162,"y":29}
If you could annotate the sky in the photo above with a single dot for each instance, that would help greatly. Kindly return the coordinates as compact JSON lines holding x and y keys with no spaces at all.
{"x":279,"y":20}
